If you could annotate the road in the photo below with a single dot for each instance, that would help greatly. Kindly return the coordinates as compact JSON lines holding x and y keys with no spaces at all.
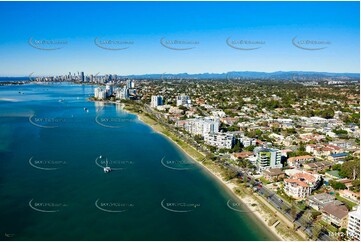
{"x":271,"y":197}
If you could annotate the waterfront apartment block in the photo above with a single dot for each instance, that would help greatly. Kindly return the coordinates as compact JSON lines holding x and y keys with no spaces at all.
{"x":99,"y":93}
{"x":300,"y":185}
{"x":267,"y":158}
{"x":220,"y":140}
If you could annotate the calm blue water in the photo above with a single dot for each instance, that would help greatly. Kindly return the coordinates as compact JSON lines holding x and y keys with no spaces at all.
{"x":53,"y":188}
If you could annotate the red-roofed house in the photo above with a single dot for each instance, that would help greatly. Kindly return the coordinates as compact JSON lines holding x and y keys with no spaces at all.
{"x":298,"y":160}
{"x":300,"y":185}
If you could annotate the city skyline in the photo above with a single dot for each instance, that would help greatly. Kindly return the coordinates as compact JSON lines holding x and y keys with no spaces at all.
{"x":179,"y":37}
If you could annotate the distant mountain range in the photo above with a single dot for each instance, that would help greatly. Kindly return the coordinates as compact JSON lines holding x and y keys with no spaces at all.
{"x":234,"y":75}
{"x":282,"y":75}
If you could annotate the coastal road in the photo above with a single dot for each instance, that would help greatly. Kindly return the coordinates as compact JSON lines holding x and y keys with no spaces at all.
{"x":271,"y":198}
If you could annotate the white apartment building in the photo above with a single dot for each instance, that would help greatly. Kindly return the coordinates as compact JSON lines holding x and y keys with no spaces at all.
{"x":220,"y":140}
{"x":200,"y":126}
{"x":300,"y":185}
{"x":99,"y":93}
{"x":183,"y":100}
{"x":109,"y":89}
{"x":156,"y":101}
{"x":353,"y":226}
{"x":121,"y":93}
{"x":267,"y":158}
{"x":247,"y":141}
{"x":130,"y":84}
{"x":296,"y":188}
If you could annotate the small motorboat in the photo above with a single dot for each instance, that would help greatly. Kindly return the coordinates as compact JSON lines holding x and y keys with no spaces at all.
{"x":107,"y":169}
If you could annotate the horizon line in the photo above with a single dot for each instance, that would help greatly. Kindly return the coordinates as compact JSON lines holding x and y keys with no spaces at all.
{"x":185,"y":73}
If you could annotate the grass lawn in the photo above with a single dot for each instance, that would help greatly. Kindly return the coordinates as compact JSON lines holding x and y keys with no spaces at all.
{"x":346,"y":201}
{"x":328,"y":226}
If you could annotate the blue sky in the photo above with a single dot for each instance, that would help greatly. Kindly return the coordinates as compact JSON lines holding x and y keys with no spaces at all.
{"x":209,"y":24}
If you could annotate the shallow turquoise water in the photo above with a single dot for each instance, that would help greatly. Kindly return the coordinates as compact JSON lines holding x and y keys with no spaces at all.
{"x":51,"y":187}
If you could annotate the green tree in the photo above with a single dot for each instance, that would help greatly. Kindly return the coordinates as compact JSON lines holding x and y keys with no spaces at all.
{"x":316,"y":230}
{"x":337,"y":185}
{"x":350,"y":169}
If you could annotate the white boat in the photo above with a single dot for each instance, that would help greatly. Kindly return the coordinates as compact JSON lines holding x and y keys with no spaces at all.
{"x":107,"y":169}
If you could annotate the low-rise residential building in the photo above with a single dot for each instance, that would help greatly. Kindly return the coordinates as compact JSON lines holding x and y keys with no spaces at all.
{"x":274,"y":174}
{"x":317,"y":166}
{"x":296,"y":188}
{"x":241,"y":155}
{"x":319,"y":150}
{"x":229,"y":120}
{"x":319,"y":201}
{"x":335,"y":215}
{"x":300,"y":185}
{"x":350,"y":195}
{"x":247,"y":141}
{"x":297,"y":161}
{"x":337,"y":157}
{"x":353,"y":225}
{"x":219,"y":140}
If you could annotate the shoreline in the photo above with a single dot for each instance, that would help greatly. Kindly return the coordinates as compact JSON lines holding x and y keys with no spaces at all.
{"x":247,"y":201}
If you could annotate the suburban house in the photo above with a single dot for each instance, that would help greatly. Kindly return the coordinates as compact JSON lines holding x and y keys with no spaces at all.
{"x":317,"y":166}
{"x":350,"y":195}
{"x":274,"y":174}
{"x":241,"y":155}
{"x":337,"y":157}
{"x":335,"y":215}
{"x":319,"y":201}
{"x":299,"y":160}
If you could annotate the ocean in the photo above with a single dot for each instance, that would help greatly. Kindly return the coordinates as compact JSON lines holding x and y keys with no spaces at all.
{"x":54,"y":145}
